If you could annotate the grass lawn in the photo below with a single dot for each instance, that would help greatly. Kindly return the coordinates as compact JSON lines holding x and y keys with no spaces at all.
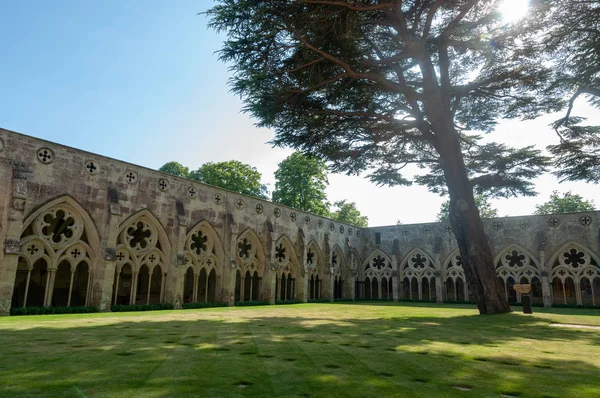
{"x":304,"y":350}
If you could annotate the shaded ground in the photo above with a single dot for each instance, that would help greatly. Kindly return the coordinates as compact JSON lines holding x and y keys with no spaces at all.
{"x":305,"y":350}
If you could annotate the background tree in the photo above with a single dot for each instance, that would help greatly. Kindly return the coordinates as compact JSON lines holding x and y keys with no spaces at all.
{"x":348,"y":213}
{"x":176,"y":169}
{"x":572,"y":43}
{"x":300,"y":182}
{"x":483,"y":204}
{"x":232,"y":175}
{"x":379,"y":85}
{"x":568,"y":203}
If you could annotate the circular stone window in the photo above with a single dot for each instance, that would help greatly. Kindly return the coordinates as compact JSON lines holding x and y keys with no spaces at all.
{"x":45,"y":155}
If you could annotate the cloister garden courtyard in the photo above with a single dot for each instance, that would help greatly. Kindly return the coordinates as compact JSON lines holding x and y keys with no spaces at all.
{"x":305,"y":350}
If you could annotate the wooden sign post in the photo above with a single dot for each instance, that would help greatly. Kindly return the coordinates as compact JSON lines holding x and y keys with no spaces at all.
{"x":524,"y":289}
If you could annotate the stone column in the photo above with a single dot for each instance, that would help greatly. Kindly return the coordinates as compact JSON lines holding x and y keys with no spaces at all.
{"x":546,"y":288}
{"x":439,"y":286}
{"x":12,"y":245}
{"x":103,"y":284}
{"x":395,"y":278}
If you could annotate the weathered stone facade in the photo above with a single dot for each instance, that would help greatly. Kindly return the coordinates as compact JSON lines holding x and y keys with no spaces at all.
{"x":81,"y":229}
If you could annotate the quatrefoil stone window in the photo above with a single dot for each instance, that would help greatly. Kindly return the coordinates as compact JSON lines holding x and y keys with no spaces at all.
{"x":277,"y":212}
{"x":240,"y":204}
{"x":554,"y":222}
{"x":293,"y":216}
{"x":163,"y":184}
{"x":259,"y":208}
{"x":45,"y":155}
{"x":192,"y":193}
{"x":498,"y":225}
{"x":585,"y":220}
{"x":92,"y":167}
{"x":244,"y":248}
{"x":218,"y":198}
{"x":131,"y":177}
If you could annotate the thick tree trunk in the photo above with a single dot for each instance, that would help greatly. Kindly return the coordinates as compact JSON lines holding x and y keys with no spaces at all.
{"x":475,"y":252}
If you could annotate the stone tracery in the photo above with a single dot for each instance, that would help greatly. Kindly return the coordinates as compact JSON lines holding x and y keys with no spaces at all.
{"x":59,"y":245}
{"x":377,"y":276}
{"x":142,"y":253}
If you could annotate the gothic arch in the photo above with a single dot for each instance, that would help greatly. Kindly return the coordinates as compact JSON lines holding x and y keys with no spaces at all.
{"x":454,"y":281}
{"x":143,"y":252}
{"x":249,"y":252}
{"x":315,"y":262}
{"x":288,"y":281}
{"x":339,"y":264}
{"x":203,"y":248}
{"x":59,"y":249}
{"x":417,"y":274}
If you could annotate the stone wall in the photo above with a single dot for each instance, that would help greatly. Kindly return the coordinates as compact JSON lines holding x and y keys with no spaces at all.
{"x":78,"y":228}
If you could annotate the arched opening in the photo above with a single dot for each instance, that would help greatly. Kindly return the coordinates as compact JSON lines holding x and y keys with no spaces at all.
{"x":425,"y":289}
{"x":569,"y":292}
{"x":123,"y":282}
{"x":510,"y":291}
{"x":247,"y":286}
{"x":282,"y":291}
{"x":384,"y":288}
{"x":318,"y":287}
{"x":537,"y":296}
{"x":79,"y":289}
{"x":202,"y":286}
{"x":460,"y":290}
{"x":450,"y":290}
{"x":432,"y":294}
{"x":255,"y":289}
{"x":414,"y":288}
{"x":587,"y":292}
{"x":375,"y":288}
{"x":212,"y":287}
{"x":188,"y":286}
{"x":406,"y":288}
{"x":368,"y":294}
{"x":238,"y":286}
{"x":156,"y":288}
{"x":27,"y":286}
{"x":60,"y":288}
{"x":142,"y":285}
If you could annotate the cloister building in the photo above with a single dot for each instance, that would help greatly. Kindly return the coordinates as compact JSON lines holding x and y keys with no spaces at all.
{"x":81,"y":229}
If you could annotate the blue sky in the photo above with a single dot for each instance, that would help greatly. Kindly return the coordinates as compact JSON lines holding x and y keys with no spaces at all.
{"x":139,"y":81}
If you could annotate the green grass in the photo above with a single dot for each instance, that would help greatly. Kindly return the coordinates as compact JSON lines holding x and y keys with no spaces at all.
{"x":305,"y":350}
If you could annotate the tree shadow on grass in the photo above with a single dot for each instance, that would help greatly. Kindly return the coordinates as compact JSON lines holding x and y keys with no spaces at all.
{"x":298,"y":355}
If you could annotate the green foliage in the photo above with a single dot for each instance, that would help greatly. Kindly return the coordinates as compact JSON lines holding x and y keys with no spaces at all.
{"x":52,"y":310}
{"x":141,"y":307}
{"x":568,"y":203}
{"x":300,"y":182}
{"x":485,"y":209}
{"x":368,"y":91}
{"x":189,"y":306}
{"x":572,"y":43}
{"x":176,"y":169}
{"x":250,"y":303}
{"x":232,"y":175}
{"x":348,"y":213}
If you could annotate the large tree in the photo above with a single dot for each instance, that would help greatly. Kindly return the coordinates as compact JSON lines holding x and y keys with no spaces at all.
{"x":378,"y":85}
{"x":232,"y":175}
{"x":347,"y":212}
{"x":300,"y":182}
{"x":176,"y":169}
{"x":573,"y":41}
{"x":483,"y":204}
{"x":568,"y":203}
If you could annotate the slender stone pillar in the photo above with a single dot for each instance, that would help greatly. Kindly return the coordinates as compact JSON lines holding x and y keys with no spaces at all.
{"x":12,"y":245}
{"x":439,"y":286}
{"x":546,"y":288}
